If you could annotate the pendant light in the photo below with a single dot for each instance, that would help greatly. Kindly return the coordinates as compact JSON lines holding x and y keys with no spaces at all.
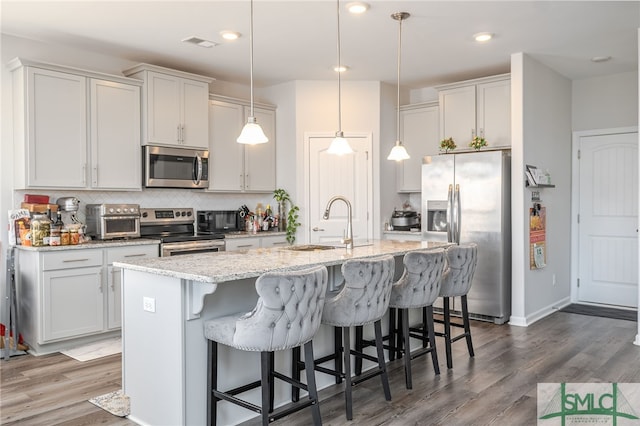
{"x":252,"y":133}
{"x":398,"y":152}
{"x":339,"y":145}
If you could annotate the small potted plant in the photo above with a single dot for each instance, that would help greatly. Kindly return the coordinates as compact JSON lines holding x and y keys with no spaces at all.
{"x":478,"y":142}
{"x":447,"y":145}
{"x":291,"y":223}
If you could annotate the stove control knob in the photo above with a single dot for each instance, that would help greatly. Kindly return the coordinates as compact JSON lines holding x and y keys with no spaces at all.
{"x":118,"y":210}
{"x":182,"y":213}
{"x":145,"y":214}
{"x":188,"y":213}
{"x":111,"y":210}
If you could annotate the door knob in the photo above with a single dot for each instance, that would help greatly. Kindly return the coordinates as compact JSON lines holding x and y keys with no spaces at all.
{"x":316,"y":229}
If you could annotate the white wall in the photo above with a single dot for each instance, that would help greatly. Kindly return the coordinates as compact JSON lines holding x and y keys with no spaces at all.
{"x":605,"y":102}
{"x":541,"y":136}
{"x":316,"y":110}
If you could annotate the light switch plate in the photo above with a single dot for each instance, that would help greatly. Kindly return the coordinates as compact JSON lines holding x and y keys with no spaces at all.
{"x":149,"y":304}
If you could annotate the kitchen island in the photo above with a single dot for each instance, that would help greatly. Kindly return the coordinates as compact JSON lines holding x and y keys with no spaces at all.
{"x":165,"y":302}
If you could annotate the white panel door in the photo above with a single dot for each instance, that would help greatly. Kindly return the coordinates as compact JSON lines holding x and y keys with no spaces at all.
{"x":260,"y":160}
{"x":608,"y":246}
{"x":346,"y":175}
{"x":226,"y":156}
{"x":163,"y":109}
{"x":195,"y":116}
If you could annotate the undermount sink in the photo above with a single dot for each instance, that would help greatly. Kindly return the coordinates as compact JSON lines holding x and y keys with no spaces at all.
{"x":309,"y":247}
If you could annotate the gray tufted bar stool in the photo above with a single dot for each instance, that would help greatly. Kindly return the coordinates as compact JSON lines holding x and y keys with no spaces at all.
{"x":418,"y":287}
{"x":287,"y":315}
{"x":362,"y":300}
{"x":456,"y":282}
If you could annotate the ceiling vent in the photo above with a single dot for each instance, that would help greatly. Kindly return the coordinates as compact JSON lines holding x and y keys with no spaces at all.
{"x":200,"y":41}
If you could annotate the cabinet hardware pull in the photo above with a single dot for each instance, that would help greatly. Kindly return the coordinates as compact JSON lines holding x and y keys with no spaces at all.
{"x":95,"y":176}
{"x":245,"y":245}
{"x":280,"y":243}
{"x":182,"y":134}
{"x":316,"y":229}
{"x":135,"y":255}
{"x":178,"y":133}
{"x":74,"y":260}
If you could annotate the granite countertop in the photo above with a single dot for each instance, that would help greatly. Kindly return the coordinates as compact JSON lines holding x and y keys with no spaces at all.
{"x":229,"y":266}
{"x":94,"y":244}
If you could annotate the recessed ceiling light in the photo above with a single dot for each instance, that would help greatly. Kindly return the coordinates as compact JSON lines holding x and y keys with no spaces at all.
{"x":230,"y":35}
{"x":341,"y":68}
{"x":200,"y":41}
{"x":601,"y":58}
{"x":357,"y":7}
{"x":482,"y":37}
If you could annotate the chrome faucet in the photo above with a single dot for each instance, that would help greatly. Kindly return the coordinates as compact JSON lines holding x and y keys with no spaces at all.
{"x":347,"y":239}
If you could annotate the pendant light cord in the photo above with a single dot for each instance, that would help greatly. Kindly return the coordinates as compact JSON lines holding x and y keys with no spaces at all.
{"x":398,"y":98}
{"x":251,"y":57}
{"x":339,"y":72}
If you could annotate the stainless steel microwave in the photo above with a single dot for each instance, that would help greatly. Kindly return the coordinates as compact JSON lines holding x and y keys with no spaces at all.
{"x":215,"y":221}
{"x":166,"y":167}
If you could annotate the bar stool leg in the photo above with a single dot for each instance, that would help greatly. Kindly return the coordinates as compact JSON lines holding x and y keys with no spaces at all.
{"x":295,"y":373}
{"x":424,"y":324}
{"x":432,"y":338}
{"x":311,"y":382}
{"x":381,"y":363}
{"x":359,"y":346}
{"x":467,"y":326}
{"x":392,"y":334}
{"x":447,"y":331}
{"x":266,"y":383}
{"x":337,"y":348}
{"x":212,"y":382}
{"x":347,"y":372}
{"x":407,"y":348}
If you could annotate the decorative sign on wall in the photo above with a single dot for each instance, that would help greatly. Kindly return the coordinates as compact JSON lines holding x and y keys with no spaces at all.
{"x":537,"y":237}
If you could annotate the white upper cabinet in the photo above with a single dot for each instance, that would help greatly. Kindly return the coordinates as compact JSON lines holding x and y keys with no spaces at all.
{"x":115,"y":135}
{"x":235,"y":167}
{"x":419,"y":134}
{"x":480,"y":107}
{"x":74,"y":128}
{"x":174,"y":107}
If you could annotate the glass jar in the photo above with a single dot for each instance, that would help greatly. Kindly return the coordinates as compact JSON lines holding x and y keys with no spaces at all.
{"x":54,"y":238}
{"x":74,"y":237}
{"x":40,"y":229}
{"x":64,"y":237}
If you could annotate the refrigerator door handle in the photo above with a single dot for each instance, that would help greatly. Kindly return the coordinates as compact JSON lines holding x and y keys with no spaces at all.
{"x":458,"y":214}
{"x":450,"y":219}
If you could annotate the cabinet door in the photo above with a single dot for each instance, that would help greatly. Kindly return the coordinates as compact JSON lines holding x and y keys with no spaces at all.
{"x":226,"y":168}
{"x":420,"y":135}
{"x":163,"y":109}
{"x":274,"y":241}
{"x":260,"y":160}
{"x":458,"y":115}
{"x":242,"y":243}
{"x":114,"y":280}
{"x":115,"y":135}
{"x":494,"y":112}
{"x":195,"y":116}
{"x":57,"y":129}
{"x":73,"y":303}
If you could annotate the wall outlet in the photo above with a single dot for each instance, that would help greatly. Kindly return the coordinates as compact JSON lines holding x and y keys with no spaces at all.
{"x":149,"y":304}
{"x":554,"y":279}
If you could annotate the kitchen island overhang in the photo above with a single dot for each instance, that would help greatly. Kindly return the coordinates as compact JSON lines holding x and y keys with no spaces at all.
{"x":165,"y":302}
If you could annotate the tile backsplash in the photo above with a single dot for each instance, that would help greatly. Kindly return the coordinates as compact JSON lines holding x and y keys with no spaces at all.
{"x":156,"y":197}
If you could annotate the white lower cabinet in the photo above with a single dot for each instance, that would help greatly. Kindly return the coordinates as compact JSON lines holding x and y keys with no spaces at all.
{"x":246,"y":243}
{"x":114,"y":280}
{"x":72,"y":294}
{"x":67,"y":295}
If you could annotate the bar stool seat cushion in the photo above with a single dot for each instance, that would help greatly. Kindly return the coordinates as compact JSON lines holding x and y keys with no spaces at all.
{"x":458,"y":276}
{"x":419,"y":284}
{"x":365,"y":296}
{"x":287,"y":315}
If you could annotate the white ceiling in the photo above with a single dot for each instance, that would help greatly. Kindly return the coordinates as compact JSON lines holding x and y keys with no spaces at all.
{"x":296,"y":40}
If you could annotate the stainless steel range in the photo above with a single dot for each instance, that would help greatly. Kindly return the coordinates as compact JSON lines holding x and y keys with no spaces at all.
{"x":176,"y":229}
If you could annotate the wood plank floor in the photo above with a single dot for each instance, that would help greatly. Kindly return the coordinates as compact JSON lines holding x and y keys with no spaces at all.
{"x":497,"y":387}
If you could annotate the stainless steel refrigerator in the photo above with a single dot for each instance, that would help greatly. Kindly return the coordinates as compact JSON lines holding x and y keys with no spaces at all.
{"x":466,"y":198}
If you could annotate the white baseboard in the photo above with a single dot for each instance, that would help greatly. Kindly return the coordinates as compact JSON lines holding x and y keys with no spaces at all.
{"x":539,"y":314}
